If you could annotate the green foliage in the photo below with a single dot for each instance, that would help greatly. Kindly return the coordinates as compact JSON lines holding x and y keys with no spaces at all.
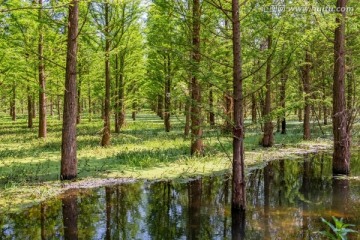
{"x":338,"y":229}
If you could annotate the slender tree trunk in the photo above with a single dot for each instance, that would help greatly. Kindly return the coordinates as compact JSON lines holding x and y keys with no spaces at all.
{"x":29,"y":102}
{"x":187,"y":111}
{"x":58,"y":107}
{"x":167,"y":68}
{"x":106,"y":132}
{"x":253,"y":103}
{"x":211,"y":107}
{"x":268,"y":138}
{"x":196,"y":115}
{"x":78,"y":116}
{"x":133,"y":114}
{"x":228,"y":111}
{"x":68,"y":146}
{"x":238,"y":183}
{"x":284,"y":77}
{"x":160,"y":101}
{"x":306,"y":83}
{"x":42,"y":80}
{"x":33,"y":107}
{"x":117,"y":97}
{"x":13,"y":103}
{"x":341,"y":155}
{"x":90,"y":102}
{"x":324,"y":108}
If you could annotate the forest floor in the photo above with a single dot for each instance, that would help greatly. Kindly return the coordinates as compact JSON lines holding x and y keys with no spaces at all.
{"x":30,"y":167}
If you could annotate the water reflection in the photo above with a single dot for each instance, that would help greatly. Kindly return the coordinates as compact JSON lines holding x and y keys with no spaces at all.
{"x":70,"y":216}
{"x":285,"y":201}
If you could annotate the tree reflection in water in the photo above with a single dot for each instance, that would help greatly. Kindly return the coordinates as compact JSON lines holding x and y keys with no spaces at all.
{"x":285,"y":200}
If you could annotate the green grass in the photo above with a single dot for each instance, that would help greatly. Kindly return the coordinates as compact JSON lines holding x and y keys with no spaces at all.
{"x":30,"y":167}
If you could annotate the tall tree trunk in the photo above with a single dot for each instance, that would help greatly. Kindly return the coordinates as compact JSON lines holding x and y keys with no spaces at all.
{"x":268,"y":138}
{"x":187,"y":111}
{"x":196,"y":115}
{"x":160,"y":102}
{"x":106,"y":132}
{"x":29,"y":102}
{"x":228,"y":111}
{"x":33,"y":107}
{"x":134,"y":109}
{"x":68,"y":146}
{"x":42,"y":80}
{"x":13,"y":103}
{"x":90,"y":102}
{"x":58,"y":107}
{"x":253,"y":104}
{"x":167,"y":68}
{"x":284,"y":77}
{"x":306,"y":83}
{"x":341,"y":155}
{"x":117,"y":97}
{"x":78,"y":116}
{"x":238,"y":183}
{"x":324,"y":107}
{"x":211,"y":106}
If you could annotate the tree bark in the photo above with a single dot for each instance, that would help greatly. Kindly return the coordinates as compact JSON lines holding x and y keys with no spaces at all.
{"x":78,"y":116}
{"x":160,"y":101}
{"x":13,"y":103}
{"x":29,"y":102}
{"x":268,"y":138}
{"x":117,"y":97}
{"x":284,"y":78}
{"x":211,"y":106}
{"x":42,"y":80}
{"x":341,"y":155}
{"x":238,"y":183}
{"x":68,"y":146}
{"x":197,"y":147}
{"x":306,"y":83}
{"x":105,"y":141}
{"x":167,"y":68}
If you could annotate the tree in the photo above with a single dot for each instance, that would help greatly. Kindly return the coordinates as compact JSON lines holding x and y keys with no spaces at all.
{"x":341,"y":154}
{"x":42,"y":80}
{"x":238,"y":183}
{"x":68,"y":146}
{"x":196,"y":115}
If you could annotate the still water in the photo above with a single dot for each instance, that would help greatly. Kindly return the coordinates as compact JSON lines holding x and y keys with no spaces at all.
{"x":285,"y":200}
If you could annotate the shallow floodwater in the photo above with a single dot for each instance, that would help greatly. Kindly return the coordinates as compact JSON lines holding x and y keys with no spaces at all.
{"x":285,"y":200}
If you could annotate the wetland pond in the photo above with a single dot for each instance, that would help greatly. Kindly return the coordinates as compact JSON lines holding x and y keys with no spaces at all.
{"x":285,"y":200}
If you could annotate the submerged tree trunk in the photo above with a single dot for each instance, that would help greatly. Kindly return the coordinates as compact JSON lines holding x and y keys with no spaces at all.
{"x":238,"y":183}
{"x":42,"y":81}
{"x":306,"y":83}
{"x":105,"y":141}
{"x":268,"y":138}
{"x":68,"y":146}
{"x":196,"y":115}
{"x":341,"y":155}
